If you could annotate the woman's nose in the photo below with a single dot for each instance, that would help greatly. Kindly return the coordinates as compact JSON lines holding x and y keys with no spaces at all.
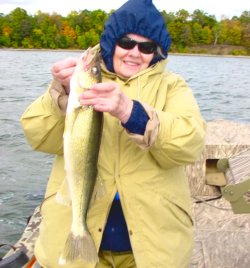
{"x":134,"y":51}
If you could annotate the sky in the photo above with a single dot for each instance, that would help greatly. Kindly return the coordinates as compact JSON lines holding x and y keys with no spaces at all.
{"x":219,"y":8}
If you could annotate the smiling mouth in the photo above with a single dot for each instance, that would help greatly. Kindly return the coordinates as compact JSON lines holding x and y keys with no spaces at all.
{"x":130,"y":63}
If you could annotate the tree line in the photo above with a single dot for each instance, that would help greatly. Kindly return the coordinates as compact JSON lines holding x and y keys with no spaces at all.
{"x":79,"y":30}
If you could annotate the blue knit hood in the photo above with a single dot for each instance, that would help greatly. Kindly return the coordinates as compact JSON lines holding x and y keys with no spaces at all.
{"x":135,"y":16}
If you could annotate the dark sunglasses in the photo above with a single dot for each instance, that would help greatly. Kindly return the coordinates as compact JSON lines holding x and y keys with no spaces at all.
{"x":144,"y":47}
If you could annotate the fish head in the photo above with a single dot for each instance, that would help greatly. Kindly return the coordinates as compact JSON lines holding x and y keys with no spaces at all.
{"x":89,"y":68}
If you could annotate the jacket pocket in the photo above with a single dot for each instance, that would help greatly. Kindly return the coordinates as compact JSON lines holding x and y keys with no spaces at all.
{"x":178,"y":209}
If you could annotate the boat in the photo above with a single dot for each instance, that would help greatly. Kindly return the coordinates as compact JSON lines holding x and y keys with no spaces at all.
{"x":220,"y":188}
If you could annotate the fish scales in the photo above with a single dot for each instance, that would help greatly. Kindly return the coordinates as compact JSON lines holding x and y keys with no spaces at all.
{"x":82,"y":136}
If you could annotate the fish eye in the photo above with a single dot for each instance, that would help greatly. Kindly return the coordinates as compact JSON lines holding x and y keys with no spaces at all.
{"x":94,"y":70}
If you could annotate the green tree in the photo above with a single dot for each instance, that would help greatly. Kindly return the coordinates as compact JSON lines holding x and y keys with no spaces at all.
{"x":246,"y":35}
{"x":180,"y":31}
{"x":203,"y":18}
{"x":168,"y":17}
{"x":206,"y":36}
{"x":37,"y":38}
{"x":21,"y":26}
{"x":98,"y":18}
{"x":88,"y":39}
{"x":82,"y":29}
{"x":82,"y":21}
{"x":245,"y":21}
{"x":231,"y":32}
{"x":48,"y":29}
{"x":196,"y":33}
{"x":245,"y":17}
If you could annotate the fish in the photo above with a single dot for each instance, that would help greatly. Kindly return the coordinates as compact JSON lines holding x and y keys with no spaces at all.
{"x":81,"y":142}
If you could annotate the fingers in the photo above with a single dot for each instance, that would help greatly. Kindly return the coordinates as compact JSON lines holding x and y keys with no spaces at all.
{"x":64,"y":64}
{"x":63,"y":74}
{"x":105,"y":90}
{"x":108,"y":86}
{"x":100,"y":91}
{"x":102,"y":105}
{"x":62,"y":71}
{"x":107,"y":97}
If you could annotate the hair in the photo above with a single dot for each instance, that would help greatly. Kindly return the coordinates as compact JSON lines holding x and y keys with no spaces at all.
{"x":159,"y":52}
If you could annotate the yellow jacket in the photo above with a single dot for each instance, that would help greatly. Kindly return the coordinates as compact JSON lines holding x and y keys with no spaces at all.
{"x":147,"y":171}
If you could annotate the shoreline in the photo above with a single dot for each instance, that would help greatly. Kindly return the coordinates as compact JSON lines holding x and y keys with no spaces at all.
{"x":81,"y":50}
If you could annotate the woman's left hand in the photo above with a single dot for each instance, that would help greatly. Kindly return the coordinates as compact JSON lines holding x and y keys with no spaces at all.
{"x":108,"y":97}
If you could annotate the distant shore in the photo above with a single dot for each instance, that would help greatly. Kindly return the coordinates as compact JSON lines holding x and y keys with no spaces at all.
{"x":208,"y":51}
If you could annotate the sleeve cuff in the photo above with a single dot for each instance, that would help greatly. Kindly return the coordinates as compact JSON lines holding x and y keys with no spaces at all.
{"x":138,"y":119}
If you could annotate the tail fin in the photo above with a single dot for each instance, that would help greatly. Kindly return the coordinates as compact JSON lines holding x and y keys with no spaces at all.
{"x":81,"y":247}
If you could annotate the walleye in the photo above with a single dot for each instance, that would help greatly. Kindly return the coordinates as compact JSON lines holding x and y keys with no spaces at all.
{"x":82,"y":136}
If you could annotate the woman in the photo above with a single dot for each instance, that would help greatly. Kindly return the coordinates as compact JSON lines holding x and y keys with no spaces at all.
{"x":152,"y":129}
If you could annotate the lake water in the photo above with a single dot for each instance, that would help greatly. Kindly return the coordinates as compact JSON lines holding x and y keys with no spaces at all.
{"x":220,"y":84}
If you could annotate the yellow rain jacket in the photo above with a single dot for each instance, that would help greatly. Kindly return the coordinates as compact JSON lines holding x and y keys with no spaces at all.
{"x":147,"y":171}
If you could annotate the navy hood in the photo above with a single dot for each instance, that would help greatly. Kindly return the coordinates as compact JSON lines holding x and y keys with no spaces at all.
{"x":135,"y":16}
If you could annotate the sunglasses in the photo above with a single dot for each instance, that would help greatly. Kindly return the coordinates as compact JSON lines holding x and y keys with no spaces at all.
{"x":144,"y":47}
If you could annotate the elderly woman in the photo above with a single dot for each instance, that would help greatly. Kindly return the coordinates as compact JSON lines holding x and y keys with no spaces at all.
{"x":152,"y":129}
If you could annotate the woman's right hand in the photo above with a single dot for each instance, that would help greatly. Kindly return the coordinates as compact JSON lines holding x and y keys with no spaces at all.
{"x":63,"y":70}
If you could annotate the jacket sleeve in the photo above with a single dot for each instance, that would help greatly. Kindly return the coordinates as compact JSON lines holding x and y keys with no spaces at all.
{"x":175,"y":132}
{"x":43,"y":121}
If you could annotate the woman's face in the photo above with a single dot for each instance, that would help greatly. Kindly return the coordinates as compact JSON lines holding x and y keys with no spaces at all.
{"x":128,"y":62}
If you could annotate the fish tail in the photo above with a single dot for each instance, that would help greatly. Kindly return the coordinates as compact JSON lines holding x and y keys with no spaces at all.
{"x":80,"y":247}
